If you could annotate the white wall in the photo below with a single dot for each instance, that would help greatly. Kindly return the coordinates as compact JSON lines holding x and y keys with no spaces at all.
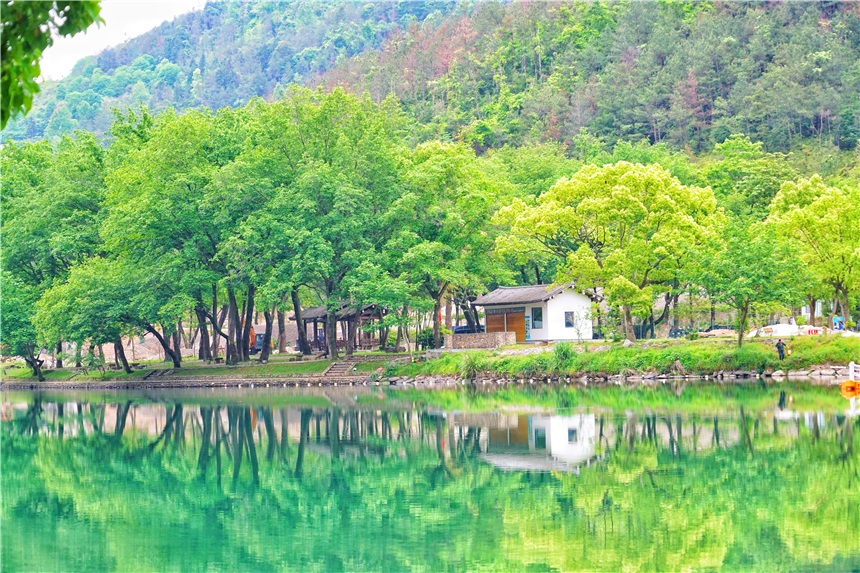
{"x":537,"y":333}
{"x":568,"y":301}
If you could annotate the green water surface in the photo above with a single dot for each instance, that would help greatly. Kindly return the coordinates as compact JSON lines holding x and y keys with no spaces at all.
{"x":176,"y":482}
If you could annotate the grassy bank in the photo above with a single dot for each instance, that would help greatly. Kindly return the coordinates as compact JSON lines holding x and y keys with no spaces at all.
{"x":697,"y":357}
{"x":190,"y":368}
{"x":700,"y":399}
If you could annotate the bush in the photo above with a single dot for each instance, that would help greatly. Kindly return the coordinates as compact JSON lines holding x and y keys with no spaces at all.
{"x":563,"y":355}
{"x":471,"y":364}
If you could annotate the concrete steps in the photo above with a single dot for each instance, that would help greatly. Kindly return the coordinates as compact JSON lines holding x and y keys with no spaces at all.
{"x":340,"y":368}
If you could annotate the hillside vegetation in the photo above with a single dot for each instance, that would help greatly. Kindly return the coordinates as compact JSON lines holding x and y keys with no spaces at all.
{"x":688,"y":74}
{"x":222,"y":55}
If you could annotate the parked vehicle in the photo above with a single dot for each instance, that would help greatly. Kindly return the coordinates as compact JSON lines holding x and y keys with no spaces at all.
{"x":257,"y":345}
{"x":466,"y":329}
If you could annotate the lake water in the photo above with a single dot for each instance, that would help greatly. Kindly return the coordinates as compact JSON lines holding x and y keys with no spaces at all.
{"x":264,"y":481}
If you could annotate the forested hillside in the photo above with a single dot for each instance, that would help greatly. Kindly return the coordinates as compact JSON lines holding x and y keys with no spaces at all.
{"x":223,"y":55}
{"x":688,"y":74}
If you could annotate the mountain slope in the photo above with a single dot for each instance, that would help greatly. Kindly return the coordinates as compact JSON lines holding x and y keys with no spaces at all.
{"x":223,"y":55}
{"x":687,"y":73}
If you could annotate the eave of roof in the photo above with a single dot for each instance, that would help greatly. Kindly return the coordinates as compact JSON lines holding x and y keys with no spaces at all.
{"x":520,"y":295}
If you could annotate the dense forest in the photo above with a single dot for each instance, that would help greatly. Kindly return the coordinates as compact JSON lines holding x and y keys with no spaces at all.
{"x":688,"y":74}
{"x":429,"y":187}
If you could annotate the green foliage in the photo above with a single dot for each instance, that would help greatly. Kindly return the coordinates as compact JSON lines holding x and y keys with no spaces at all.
{"x":222,"y":55}
{"x":699,"y":356}
{"x":749,"y":267}
{"x":28,"y":29}
{"x":471,"y":364}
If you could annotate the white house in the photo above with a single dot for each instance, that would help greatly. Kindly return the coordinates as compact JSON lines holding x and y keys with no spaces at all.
{"x":538,"y":312}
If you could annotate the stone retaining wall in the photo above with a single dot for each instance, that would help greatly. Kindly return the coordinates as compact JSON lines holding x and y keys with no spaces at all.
{"x":480,"y":340}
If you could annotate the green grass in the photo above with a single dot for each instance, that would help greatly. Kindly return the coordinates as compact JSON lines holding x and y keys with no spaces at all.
{"x":708,"y":398}
{"x":700,"y":356}
{"x":189,"y":369}
{"x":26,"y":373}
{"x":280,"y":368}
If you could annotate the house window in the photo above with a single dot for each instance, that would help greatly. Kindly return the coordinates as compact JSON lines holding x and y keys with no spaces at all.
{"x":537,"y":318}
{"x":570,"y":319}
{"x":540,"y":439}
{"x":571,"y":435}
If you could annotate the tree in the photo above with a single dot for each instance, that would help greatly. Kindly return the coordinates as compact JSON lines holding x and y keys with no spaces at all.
{"x":624,"y":227}
{"x":93,"y":305}
{"x":28,"y":28}
{"x":750,"y":267}
{"x":746,"y":178}
{"x":335,"y":162}
{"x":52,"y":209}
{"x":821,"y":222}
{"x":445,"y":240}
{"x":19,"y":336}
{"x":167,"y":216}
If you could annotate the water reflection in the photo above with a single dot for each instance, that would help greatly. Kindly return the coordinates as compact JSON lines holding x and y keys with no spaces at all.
{"x":184,"y":485}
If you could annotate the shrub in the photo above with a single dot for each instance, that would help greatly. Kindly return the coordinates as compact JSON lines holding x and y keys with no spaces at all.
{"x":563,"y":355}
{"x":471,"y":364}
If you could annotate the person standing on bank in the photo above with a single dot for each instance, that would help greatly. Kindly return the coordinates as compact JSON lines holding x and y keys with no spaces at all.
{"x":780,"y":348}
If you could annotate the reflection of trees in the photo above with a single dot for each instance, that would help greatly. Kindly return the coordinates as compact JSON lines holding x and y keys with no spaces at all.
{"x":361,"y":494}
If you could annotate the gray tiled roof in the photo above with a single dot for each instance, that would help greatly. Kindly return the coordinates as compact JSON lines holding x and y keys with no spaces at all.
{"x":520,"y":294}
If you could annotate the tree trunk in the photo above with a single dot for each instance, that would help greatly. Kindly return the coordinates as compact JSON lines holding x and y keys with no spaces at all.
{"x":205,"y":438}
{"x":34,"y":363}
{"x":448,"y":312}
{"x":59,"y":354}
{"x":628,"y":323}
{"x":271,"y":436}
{"x":331,"y":334}
{"x":167,"y":351}
{"x":119,"y":351}
{"x":742,"y":323}
{"x":167,"y":339}
{"x":233,"y":336}
{"x":249,"y":440}
{"x":177,"y":342}
{"x":121,"y":416}
{"x":282,"y":332}
{"x":304,"y":347}
{"x":437,"y":310}
{"x":246,"y":328}
{"x":470,"y":320}
{"x":204,"y":352}
{"x":812,"y":303}
{"x":303,"y":439}
{"x":267,"y":337}
{"x":77,"y":355}
{"x":351,"y":327}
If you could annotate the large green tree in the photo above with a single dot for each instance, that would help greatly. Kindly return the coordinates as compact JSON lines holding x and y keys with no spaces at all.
{"x":336,"y":165}
{"x":749,"y":267}
{"x":623,"y":227}
{"x":446,"y":238}
{"x":822,"y":222}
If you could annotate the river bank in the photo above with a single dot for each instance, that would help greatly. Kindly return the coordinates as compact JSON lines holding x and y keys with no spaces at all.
{"x":647,"y":360}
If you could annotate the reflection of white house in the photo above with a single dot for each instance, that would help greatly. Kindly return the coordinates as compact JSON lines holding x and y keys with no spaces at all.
{"x":544,"y":443}
{"x":538,"y":312}
{"x":565,"y":438}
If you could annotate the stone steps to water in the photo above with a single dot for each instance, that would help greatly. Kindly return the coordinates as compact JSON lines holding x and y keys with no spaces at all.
{"x":340,"y":368}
